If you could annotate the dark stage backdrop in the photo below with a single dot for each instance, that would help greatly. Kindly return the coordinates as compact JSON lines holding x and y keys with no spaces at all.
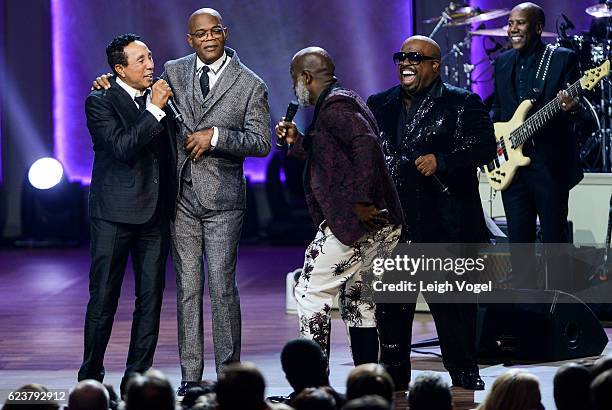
{"x":360,"y":35}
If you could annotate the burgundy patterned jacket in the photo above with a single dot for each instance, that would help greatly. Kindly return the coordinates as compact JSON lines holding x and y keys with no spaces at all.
{"x":345,"y":165}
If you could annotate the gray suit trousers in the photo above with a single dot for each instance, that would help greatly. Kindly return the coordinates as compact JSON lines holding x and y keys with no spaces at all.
{"x":217,"y":233}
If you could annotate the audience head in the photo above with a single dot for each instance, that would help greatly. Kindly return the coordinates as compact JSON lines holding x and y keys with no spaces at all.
{"x":601,"y":391}
{"x":193,"y":394}
{"x":151,"y":391}
{"x":280,"y":406}
{"x":240,"y":386}
{"x":571,"y":386}
{"x":207,"y":401}
{"x":514,"y":390}
{"x":601,"y":365}
{"x":313,"y":398}
{"x":304,"y":364}
{"x":429,"y":392}
{"x":35,"y":388}
{"x":368,"y":403}
{"x":89,"y":395}
{"x":114,"y":399}
{"x":369,"y":379}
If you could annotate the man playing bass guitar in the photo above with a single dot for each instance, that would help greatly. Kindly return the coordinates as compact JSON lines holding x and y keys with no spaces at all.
{"x":531,"y":70}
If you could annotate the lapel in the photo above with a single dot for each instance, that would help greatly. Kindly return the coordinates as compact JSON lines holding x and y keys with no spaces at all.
{"x":390,"y":111}
{"x":505,"y":72}
{"x":228,"y":78}
{"x":187,"y":71}
{"x":125,"y":105}
{"x":428,"y":103}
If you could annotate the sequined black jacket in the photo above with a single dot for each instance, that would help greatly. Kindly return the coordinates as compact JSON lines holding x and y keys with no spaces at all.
{"x":454,"y":125}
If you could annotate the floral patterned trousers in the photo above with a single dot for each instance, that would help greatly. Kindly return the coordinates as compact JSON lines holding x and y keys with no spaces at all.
{"x":332,"y":268}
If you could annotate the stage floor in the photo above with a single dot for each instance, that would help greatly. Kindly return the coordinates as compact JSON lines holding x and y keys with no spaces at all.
{"x":43,"y":294}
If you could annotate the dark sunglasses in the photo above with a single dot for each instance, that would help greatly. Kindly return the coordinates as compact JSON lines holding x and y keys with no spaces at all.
{"x":413,"y":57}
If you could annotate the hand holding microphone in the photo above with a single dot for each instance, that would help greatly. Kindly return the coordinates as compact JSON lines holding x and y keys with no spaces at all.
{"x":176,"y":114}
{"x":428,"y":165}
{"x":160,"y":93}
{"x":286,"y":131}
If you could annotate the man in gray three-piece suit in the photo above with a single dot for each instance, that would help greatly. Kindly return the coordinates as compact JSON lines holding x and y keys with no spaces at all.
{"x":226,"y":118}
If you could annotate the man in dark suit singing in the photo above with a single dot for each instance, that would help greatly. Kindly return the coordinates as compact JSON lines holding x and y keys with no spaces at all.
{"x":434,"y":137}
{"x":130,"y":200}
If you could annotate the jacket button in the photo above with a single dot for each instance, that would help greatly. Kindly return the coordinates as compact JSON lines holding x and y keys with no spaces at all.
{"x":155,"y":180}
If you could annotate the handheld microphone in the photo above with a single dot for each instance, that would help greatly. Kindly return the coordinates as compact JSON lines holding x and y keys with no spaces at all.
{"x":568,"y":23}
{"x":291,"y":111}
{"x":176,"y":114}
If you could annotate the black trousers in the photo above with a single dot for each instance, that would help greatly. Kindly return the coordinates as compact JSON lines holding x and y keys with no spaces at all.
{"x":535,"y":193}
{"x":456,"y":327}
{"x":111,"y":244}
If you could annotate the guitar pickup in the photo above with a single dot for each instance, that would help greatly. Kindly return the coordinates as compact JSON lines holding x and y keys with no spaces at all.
{"x":505,"y":152}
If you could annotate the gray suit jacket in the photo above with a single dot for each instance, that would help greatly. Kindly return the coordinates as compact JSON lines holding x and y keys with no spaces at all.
{"x":238,"y":106}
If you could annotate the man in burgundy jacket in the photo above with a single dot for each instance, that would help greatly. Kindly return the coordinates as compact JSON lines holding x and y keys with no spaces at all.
{"x":352,"y":200}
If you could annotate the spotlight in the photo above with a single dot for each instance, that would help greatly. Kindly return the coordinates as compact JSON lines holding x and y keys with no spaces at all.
{"x":52,"y":208}
{"x":45,"y":173}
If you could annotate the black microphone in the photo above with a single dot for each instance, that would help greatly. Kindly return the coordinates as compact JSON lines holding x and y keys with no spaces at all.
{"x":176,"y":114}
{"x":568,"y":23}
{"x":291,"y":111}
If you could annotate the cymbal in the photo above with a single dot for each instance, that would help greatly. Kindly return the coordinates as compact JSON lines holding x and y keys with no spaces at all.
{"x":599,"y":10}
{"x":459,"y":13}
{"x":485,"y":15}
{"x":502,"y":32}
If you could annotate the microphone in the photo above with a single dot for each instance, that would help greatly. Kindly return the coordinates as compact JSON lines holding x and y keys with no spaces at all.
{"x":291,"y":111}
{"x":568,"y":23}
{"x":176,"y":114}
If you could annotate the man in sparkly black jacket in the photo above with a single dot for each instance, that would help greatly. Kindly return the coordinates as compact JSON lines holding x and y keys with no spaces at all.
{"x":434,"y":137}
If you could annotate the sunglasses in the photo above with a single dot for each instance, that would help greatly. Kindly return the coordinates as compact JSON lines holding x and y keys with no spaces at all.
{"x":413,"y":57}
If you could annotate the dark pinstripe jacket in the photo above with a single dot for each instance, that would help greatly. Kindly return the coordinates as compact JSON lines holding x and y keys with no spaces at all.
{"x":134,"y":159}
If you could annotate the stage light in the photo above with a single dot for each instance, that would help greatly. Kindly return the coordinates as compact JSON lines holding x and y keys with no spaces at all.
{"x":45,"y":173}
{"x":52,"y":208}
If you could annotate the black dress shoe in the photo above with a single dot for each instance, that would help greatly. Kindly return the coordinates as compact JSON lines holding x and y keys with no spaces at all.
{"x":469,"y":380}
{"x":182,"y":390}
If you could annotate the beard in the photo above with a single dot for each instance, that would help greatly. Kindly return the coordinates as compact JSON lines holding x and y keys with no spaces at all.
{"x":302,"y":93}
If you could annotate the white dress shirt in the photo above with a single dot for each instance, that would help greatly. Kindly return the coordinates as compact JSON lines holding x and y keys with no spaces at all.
{"x":214,"y":72}
{"x":157,"y":112}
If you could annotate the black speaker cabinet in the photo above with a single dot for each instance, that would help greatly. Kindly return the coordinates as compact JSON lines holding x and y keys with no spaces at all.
{"x":537,"y":326}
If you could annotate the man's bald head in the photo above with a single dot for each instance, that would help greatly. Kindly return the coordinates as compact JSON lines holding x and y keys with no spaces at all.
{"x":427,"y":45}
{"x":533,"y":11}
{"x":417,"y":75}
{"x":314,"y":59}
{"x":203,"y":11}
{"x":206,"y":34}
{"x":312,"y":71}
{"x":525,"y":25}
{"x":89,"y":395}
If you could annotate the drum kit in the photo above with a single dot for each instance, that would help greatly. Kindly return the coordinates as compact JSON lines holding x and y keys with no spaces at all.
{"x":595,"y":138}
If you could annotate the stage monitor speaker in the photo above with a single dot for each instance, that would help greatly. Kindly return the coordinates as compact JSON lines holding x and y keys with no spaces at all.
{"x":539,"y":326}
